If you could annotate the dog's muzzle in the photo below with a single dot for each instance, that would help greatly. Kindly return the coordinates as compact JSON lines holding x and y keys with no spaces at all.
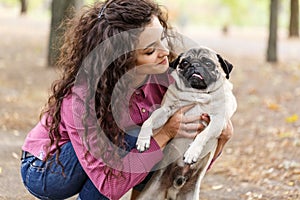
{"x":194,"y":77}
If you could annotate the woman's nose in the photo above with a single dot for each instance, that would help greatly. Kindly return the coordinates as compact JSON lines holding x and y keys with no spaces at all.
{"x":163,"y":49}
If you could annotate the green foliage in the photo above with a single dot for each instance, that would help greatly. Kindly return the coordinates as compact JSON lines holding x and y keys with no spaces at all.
{"x":33,"y":5}
{"x":90,"y":1}
{"x":232,"y":12}
{"x":212,"y":12}
{"x":241,"y":13}
{"x":9,"y":2}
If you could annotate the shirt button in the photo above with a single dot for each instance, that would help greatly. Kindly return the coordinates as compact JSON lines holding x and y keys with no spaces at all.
{"x":143,"y":110}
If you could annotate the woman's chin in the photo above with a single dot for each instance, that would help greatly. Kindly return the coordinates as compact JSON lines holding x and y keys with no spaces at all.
{"x":161,"y":68}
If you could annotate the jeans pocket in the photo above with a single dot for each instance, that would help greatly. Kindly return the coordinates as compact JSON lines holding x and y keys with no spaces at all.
{"x":29,"y":164}
{"x":38,"y":165}
{"x":32,"y":172}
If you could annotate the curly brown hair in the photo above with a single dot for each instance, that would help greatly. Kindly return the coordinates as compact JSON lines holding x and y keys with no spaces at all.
{"x":84,"y":32}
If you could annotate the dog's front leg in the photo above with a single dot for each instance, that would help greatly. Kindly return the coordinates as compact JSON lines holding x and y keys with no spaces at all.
{"x":158,"y":118}
{"x":212,"y":131}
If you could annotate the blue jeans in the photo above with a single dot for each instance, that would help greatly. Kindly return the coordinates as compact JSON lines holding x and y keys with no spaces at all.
{"x":45,"y":179}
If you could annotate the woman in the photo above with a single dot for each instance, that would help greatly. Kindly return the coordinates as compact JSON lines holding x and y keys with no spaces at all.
{"x":80,"y":145}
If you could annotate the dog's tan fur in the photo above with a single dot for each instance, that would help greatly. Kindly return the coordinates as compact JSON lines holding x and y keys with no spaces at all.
{"x":179,"y":180}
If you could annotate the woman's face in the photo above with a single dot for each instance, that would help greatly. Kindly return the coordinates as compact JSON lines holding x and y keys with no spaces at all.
{"x":152,"y":50}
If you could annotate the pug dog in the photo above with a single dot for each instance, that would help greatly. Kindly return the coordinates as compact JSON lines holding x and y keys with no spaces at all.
{"x":201,"y":78}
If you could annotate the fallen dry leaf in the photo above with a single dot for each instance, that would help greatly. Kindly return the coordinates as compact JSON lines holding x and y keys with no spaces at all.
{"x":217,"y":187}
{"x":292,"y":119}
{"x":285,"y":134}
{"x":272,"y":106}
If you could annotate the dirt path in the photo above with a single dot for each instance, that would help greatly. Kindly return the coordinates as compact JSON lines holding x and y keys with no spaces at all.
{"x":260,"y":162}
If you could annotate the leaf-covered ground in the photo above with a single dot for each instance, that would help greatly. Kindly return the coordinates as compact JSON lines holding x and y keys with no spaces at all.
{"x":261,"y":161}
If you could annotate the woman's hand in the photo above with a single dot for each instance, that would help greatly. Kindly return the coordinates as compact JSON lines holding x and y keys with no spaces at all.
{"x":180,"y":125}
{"x":191,"y":126}
{"x":226,"y":134}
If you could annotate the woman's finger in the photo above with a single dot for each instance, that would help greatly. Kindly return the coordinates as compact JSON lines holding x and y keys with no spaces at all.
{"x":184,"y":109}
{"x":190,"y":119}
{"x":205,"y":117}
{"x":193,"y":126}
{"x":185,"y":134}
{"x":195,"y":118}
{"x":227,"y":132}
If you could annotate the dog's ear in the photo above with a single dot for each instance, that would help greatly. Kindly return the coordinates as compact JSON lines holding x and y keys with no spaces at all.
{"x":175,"y":62}
{"x":226,"y":66}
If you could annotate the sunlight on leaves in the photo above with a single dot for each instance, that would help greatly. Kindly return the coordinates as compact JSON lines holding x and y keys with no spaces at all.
{"x":296,"y":142}
{"x":253,"y":195}
{"x":15,"y":155}
{"x":291,"y":183}
{"x":289,"y":164}
{"x":286,"y":134}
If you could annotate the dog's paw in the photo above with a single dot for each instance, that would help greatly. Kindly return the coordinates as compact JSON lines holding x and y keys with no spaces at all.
{"x":143,"y":143}
{"x":192,"y":154}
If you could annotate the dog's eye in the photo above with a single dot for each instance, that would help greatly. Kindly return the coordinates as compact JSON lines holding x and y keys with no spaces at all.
{"x":184,"y":64}
{"x":208,"y":63}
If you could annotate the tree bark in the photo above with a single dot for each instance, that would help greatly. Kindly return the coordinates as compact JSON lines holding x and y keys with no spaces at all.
{"x":294,"y":19}
{"x":60,"y":10}
{"x":24,"y":7}
{"x":273,"y":24}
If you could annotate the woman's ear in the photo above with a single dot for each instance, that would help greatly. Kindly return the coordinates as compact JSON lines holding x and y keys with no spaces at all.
{"x":175,"y":62}
{"x":226,"y":66}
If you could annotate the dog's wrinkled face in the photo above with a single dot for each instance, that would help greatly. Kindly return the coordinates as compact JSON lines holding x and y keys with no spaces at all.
{"x":198,"y":68}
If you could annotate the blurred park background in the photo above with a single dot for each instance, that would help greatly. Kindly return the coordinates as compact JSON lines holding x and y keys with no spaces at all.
{"x":261,"y":161}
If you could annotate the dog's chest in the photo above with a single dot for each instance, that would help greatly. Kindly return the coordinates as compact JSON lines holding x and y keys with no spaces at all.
{"x":209,"y":103}
{"x":198,"y":109}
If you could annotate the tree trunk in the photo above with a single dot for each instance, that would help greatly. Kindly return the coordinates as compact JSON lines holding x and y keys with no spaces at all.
{"x":60,"y":10}
{"x":294,"y":19}
{"x":273,"y":23}
{"x":24,"y":7}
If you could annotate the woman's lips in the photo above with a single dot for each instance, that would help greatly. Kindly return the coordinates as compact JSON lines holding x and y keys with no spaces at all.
{"x":163,"y":62}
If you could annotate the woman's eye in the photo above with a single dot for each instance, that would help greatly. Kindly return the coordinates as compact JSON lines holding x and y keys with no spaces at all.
{"x":150,"y":52}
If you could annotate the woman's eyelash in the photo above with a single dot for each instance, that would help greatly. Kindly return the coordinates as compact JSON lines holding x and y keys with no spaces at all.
{"x":150,"y":52}
{"x":163,"y":38}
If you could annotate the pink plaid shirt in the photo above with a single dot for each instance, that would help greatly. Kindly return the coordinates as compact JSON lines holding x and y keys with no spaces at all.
{"x":136,"y":165}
